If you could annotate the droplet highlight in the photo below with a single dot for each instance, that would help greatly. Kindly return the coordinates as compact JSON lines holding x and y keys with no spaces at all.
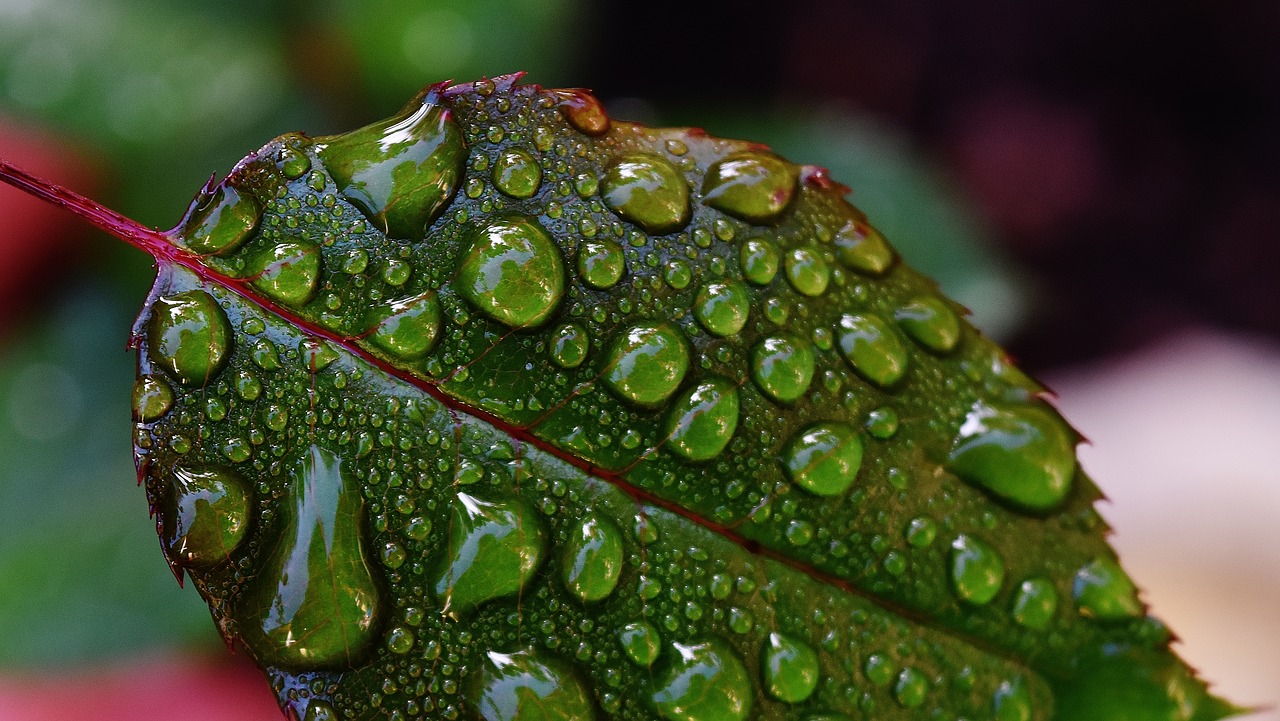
{"x":601,"y":263}
{"x":1103,"y":591}
{"x":704,"y":682}
{"x":523,"y":686}
{"x":929,"y":321}
{"x":407,"y":328}
{"x":862,"y":248}
{"x":722,"y":307}
{"x":782,"y":367}
{"x":872,"y":348}
{"x":206,"y":516}
{"x":152,"y":398}
{"x":1035,"y":603}
{"x":287,"y":272}
{"x":222,"y":222}
{"x":977,"y":571}
{"x":517,"y":173}
{"x":790,"y":668}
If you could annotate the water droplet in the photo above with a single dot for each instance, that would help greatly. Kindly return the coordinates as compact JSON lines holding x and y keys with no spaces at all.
{"x":294,"y":163}
{"x":931,"y":323}
{"x":722,"y":307}
{"x":1023,"y":454}
{"x":882,"y":423}
{"x":494,"y":549}
{"x":759,"y":259}
{"x":704,"y":682}
{"x":569,"y":345}
{"x":1012,"y":701}
{"x":517,"y":173}
{"x":512,"y":272}
{"x":872,"y":348}
{"x":400,"y":640}
{"x":287,"y":272}
{"x":976,"y":570}
{"x":911,"y":688}
{"x":206,"y":516}
{"x":783,"y":367}
{"x":407,"y":328}
{"x":264,"y":355}
{"x":399,"y":172}
{"x":222,"y":222}
{"x":189,"y":336}
{"x":314,"y":603}
{"x":703,"y":421}
{"x":600,"y":263}
{"x":824,"y":459}
{"x":152,"y":398}
{"x":1103,"y":591}
{"x":807,"y":272}
{"x":1035,"y":604}
{"x":522,"y":686}
{"x":921,"y":531}
{"x":647,"y":364}
{"x":582,"y":110}
{"x":592,"y":560}
{"x":879,"y":670}
{"x":677,"y":274}
{"x":790,"y":668}
{"x":862,"y":248}
{"x":752,"y":186}
{"x":318,"y":710}
{"x":640,"y":641}
{"x":648,"y":191}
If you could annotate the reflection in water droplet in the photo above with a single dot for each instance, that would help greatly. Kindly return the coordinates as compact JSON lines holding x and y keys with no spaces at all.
{"x":407,"y":328}
{"x":931,"y":323}
{"x":222,"y":222}
{"x":824,"y":459}
{"x":189,"y":336}
{"x":205,"y":517}
{"x":1023,"y":454}
{"x":782,"y":367}
{"x":314,"y":603}
{"x":704,"y":420}
{"x":152,"y":398}
{"x":704,"y":682}
{"x":512,"y":271}
{"x":523,"y":686}
{"x":722,"y":307}
{"x":790,"y":668}
{"x":592,"y":559}
{"x":600,"y":263}
{"x":647,"y":364}
{"x":640,"y":642}
{"x":399,"y":172}
{"x":755,"y":187}
{"x":517,"y":173}
{"x":648,"y":191}
{"x":976,"y":570}
{"x":1035,"y":604}
{"x":494,"y":549}
{"x":287,"y":273}
{"x":1103,"y":591}
{"x":872,"y":348}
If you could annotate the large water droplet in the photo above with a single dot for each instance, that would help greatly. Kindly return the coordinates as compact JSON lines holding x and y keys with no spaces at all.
{"x":783,"y":367}
{"x":407,"y":328}
{"x":647,"y":364}
{"x":824,"y":459}
{"x":206,"y":516}
{"x":600,"y":263}
{"x":931,"y":323}
{"x":494,"y":549}
{"x":314,"y":602}
{"x":523,"y":686}
{"x":753,"y":186}
{"x":287,"y":272}
{"x":722,"y":307}
{"x":222,"y":222}
{"x":152,"y":398}
{"x":647,"y":190}
{"x":1035,"y":604}
{"x":807,"y":272}
{"x":1103,"y":590}
{"x":641,"y":642}
{"x":399,"y":172}
{"x":790,"y":668}
{"x":582,"y":110}
{"x":976,"y":570}
{"x":861,"y":247}
{"x":704,"y":682}
{"x":517,"y":173}
{"x":592,"y":559}
{"x":512,"y":271}
{"x":318,"y":710}
{"x":1022,"y":454}
{"x":872,"y":348}
{"x":703,"y":421}
{"x":189,"y":336}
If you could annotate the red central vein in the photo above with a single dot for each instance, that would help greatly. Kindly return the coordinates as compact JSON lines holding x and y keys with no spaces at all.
{"x":160,"y":246}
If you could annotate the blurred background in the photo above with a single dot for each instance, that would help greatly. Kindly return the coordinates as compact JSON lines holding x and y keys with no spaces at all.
{"x":1098,"y":180}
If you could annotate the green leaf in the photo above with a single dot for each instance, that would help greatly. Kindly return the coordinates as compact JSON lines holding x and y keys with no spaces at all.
{"x":503,"y":409}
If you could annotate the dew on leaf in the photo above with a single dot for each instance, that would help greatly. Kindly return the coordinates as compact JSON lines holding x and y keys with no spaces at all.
{"x":583,"y":111}
{"x":755,"y":187}
{"x":222,"y":222}
{"x":640,"y":642}
{"x":152,"y":398}
{"x":569,"y":345}
{"x":824,"y":458}
{"x":206,"y":516}
{"x":600,"y":263}
{"x":1012,"y":701}
{"x":287,"y":272}
{"x":1021,"y":454}
{"x":977,"y":571}
{"x":524,"y":686}
{"x":759,"y":260}
{"x":929,"y":321}
{"x":517,"y":173}
{"x":647,"y":364}
{"x":189,"y":336}
{"x":704,"y":682}
{"x":407,"y":328}
{"x":1035,"y":603}
{"x":647,"y":190}
{"x":592,"y":559}
{"x":512,"y":272}
{"x":703,"y":420}
{"x":722,"y":307}
{"x":872,"y":348}
{"x":1103,"y":591}
{"x":782,"y":366}
{"x":494,"y":549}
{"x":790,"y":668}
{"x":862,"y":248}
{"x":807,"y":272}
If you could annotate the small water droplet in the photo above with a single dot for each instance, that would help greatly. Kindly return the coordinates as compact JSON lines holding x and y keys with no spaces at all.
{"x":205,"y":517}
{"x":1022,"y":454}
{"x":977,"y":571}
{"x":407,"y":328}
{"x":647,"y":364}
{"x":600,"y":263}
{"x":399,"y":172}
{"x":287,"y":273}
{"x":931,"y":323}
{"x":704,"y":682}
{"x":879,"y":669}
{"x":523,"y":686}
{"x":824,"y":459}
{"x":755,"y":187}
{"x":911,"y":688}
{"x":1102,"y":590}
{"x":494,"y":549}
{"x":760,"y":260}
{"x":221,"y":222}
{"x":592,"y":559}
{"x":882,"y":423}
{"x":921,"y":531}
{"x":512,"y":272}
{"x":1035,"y":603}
{"x":782,"y":367}
{"x":189,"y":336}
{"x":790,"y":668}
{"x":640,"y":642}
{"x":647,"y":190}
{"x":807,"y":272}
{"x":722,"y":307}
{"x":862,"y":248}
{"x":704,"y":420}
{"x":152,"y":398}
{"x":872,"y":348}
{"x":517,"y":173}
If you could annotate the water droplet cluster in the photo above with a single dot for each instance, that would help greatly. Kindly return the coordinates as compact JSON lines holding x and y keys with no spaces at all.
{"x":563,"y":374}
